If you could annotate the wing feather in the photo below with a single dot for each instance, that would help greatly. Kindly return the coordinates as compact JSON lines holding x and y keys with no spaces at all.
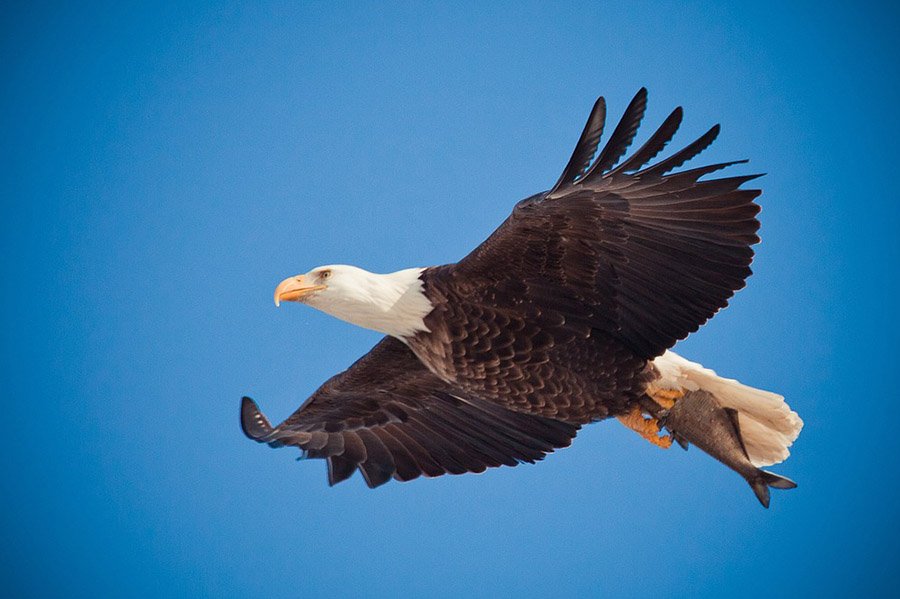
{"x":646,"y":256}
{"x":682,"y":156}
{"x":654,"y":145}
{"x":622,"y":136}
{"x":389,"y":417}
{"x":586,"y":147}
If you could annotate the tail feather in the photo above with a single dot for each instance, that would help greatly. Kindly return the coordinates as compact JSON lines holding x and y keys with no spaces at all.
{"x":768,"y":425}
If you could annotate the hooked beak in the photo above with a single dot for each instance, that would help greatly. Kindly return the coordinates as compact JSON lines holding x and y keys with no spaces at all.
{"x":293,"y":289}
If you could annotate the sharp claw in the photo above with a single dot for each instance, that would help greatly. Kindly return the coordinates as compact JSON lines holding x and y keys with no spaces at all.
{"x":648,"y":428}
{"x":661,"y":418}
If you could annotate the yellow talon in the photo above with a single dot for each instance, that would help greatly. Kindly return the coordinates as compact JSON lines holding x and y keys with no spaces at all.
{"x":665,"y":397}
{"x":648,"y":428}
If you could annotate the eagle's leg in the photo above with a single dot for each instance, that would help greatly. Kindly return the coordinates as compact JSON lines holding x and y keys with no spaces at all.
{"x":665,"y":397}
{"x":648,"y":428}
{"x":657,"y":403}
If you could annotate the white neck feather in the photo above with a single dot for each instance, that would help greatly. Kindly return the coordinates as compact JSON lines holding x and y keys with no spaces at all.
{"x":394,"y":304}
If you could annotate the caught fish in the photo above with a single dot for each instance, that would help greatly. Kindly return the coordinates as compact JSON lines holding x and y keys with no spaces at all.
{"x":698,"y":418}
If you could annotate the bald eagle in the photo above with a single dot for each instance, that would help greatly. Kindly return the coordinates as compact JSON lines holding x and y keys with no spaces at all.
{"x":564,"y":316}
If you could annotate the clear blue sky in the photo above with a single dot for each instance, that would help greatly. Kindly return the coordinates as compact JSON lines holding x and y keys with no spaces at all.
{"x":164,"y":166}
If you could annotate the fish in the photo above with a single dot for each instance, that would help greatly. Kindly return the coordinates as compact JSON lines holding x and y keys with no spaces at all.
{"x":699,"y":418}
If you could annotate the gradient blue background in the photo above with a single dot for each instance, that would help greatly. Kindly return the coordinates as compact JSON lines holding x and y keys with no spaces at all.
{"x":165,"y":166}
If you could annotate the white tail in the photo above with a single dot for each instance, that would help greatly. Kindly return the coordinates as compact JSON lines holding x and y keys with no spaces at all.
{"x":768,"y":425}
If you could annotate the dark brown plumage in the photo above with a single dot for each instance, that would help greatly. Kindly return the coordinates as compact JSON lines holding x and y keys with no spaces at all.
{"x":558,"y":311}
{"x":549,"y":324}
{"x":390,"y":417}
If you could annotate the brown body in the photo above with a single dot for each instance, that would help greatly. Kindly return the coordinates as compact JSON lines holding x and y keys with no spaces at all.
{"x":527,"y":354}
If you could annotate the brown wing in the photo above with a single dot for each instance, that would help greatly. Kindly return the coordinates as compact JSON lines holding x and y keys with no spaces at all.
{"x":388,"y":416}
{"x":643,"y":255}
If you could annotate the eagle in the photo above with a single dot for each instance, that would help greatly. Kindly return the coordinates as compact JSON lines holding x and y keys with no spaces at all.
{"x":564,"y":316}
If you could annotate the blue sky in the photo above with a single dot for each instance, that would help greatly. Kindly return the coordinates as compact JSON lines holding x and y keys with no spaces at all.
{"x":166,"y":165}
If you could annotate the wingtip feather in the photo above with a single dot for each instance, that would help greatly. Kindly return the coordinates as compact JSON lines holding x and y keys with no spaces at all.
{"x":253,"y":423}
{"x":586,"y":147}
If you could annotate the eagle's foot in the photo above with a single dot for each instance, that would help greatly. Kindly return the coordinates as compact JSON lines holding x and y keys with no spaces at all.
{"x":666,"y":397}
{"x":648,"y":428}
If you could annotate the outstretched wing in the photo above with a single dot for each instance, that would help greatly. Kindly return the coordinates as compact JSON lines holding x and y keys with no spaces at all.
{"x":388,"y":416}
{"x":641,"y":253}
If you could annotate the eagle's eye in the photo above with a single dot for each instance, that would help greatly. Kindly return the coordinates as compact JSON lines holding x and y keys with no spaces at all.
{"x":324,"y":274}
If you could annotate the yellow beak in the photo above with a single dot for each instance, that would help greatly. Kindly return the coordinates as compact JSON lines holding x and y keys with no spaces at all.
{"x":292,"y":289}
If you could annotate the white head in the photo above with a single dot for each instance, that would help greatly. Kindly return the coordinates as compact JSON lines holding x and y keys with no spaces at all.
{"x":393,"y":304}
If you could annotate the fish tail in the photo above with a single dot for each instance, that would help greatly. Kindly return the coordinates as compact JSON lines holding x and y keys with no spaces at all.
{"x":761,"y":482}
